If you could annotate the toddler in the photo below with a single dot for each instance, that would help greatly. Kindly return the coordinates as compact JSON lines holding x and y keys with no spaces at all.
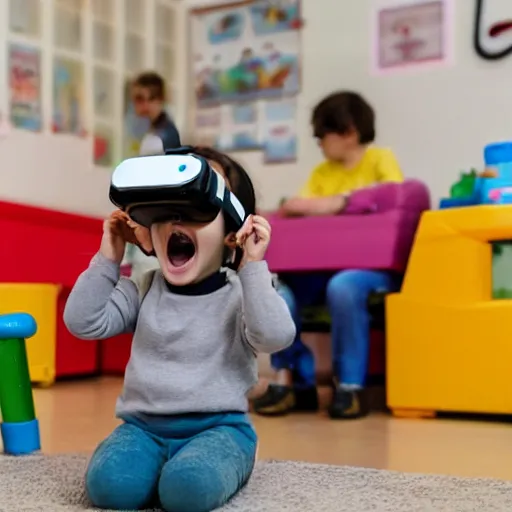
{"x":186,"y":442}
{"x":344,"y":125}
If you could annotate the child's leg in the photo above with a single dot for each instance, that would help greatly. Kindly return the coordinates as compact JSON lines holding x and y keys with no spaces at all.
{"x":208,"y":470}
{"x":347,"y":299}
{"x":124,"y":470}
{"x":297,"y":358}
{"x":295,"y":388}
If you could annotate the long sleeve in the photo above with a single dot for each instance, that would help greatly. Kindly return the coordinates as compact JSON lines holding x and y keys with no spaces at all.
{"x":267,"y":321}
{"x":101,"y":304}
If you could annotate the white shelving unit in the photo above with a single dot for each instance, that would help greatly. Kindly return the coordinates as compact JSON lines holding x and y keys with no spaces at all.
{"x":109,"y":41}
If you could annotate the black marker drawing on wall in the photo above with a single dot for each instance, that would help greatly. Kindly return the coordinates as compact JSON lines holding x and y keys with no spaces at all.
{"x":492,"y":34}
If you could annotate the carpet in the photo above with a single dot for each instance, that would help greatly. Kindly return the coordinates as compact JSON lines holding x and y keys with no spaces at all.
{"x":55,"y":484}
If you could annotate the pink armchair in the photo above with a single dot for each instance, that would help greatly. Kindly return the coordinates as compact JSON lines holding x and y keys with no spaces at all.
{"x":376,"y":231}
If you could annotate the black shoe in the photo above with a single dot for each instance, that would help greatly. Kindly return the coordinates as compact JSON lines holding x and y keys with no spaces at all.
{"x":280,"y":400}
{"x":306,"y":399}
{"x":349,"y":405}
{"x":277,"y":401}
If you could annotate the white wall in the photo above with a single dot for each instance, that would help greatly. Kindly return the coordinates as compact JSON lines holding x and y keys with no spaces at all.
{"x":436,"y":120}
{"x":56,"y":170}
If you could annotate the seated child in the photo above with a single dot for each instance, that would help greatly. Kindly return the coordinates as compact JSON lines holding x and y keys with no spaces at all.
{"x":344,"y":124}
{"x":186,"y":442}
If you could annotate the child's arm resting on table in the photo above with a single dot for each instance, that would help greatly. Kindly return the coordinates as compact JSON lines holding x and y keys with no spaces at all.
{"x":101,"y":304}
{"x":267,"y":320}
{"x":313,"y":206}
{"x":311,"y":201}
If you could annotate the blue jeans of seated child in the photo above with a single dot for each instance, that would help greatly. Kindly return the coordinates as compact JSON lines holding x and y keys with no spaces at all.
{"x":346,"y":294}
{"x":190,"y":463}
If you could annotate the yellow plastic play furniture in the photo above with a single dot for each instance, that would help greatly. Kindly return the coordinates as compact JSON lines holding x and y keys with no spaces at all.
{"x":40,"y":300}
{"x":449,"y":344}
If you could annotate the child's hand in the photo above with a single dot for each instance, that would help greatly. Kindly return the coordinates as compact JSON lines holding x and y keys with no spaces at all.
{"x":113,"y":242}
{"x":118,"y":230}
{"x":254,"y":237}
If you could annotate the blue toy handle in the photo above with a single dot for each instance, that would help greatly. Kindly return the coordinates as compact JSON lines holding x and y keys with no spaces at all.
{"x":17,"y":325}
{"x":498,"y":153}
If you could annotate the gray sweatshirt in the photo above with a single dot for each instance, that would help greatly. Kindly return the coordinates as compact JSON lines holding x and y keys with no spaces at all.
{"x":189,"y":353}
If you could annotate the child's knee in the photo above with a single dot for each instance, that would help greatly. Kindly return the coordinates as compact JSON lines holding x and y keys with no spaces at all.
{"x":112,"y":486}
{"x":347,"y":290}
{"x":192,"y":488}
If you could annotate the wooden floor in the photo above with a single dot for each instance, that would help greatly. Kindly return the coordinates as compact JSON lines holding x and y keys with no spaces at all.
{"x":75,"y":416}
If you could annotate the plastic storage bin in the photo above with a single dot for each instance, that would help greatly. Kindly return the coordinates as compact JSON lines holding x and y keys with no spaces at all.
{"x":40,"y":300}
{"x":53,"y":352}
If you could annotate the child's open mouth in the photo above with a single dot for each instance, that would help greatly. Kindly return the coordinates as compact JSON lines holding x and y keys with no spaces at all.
{"x":180,"y":249}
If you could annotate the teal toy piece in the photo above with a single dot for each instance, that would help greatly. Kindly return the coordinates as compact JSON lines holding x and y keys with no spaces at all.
{"x":494,"y":186}
{"x":20,"y":428}
{"x":497,"y":189}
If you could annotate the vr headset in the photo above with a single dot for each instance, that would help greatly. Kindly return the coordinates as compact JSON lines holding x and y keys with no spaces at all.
{"x":178,"y":187}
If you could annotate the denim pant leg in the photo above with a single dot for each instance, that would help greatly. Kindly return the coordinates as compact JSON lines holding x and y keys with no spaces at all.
{"x":347,"y":300}
{"x":208,"y":470}
{"x":124,"y":470}
{"x":297,"y":358}
{"x":298,"y":292}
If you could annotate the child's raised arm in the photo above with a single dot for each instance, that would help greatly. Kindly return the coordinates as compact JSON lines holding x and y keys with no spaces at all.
{"x":102,"y":304}
{"x":267,"y":320}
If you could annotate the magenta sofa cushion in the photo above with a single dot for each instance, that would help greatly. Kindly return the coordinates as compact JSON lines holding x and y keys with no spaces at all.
{"x":375,"y":232}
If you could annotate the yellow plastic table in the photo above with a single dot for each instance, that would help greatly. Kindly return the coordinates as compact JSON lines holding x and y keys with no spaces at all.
{"x":449,"y":343}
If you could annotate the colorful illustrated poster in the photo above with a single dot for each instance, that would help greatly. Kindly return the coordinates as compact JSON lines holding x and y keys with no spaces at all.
{"x":68,"y":96}
{"x":24,"y":66}
{"x":209,"y":118}
{"x":134,"y":126}
{"x":280,"y":133}
{"x":231,"y":127}
{"x":239,"y":128}
{"x":103,"y":146}
{"x":247,"y":52}
{"x":412,"y":33}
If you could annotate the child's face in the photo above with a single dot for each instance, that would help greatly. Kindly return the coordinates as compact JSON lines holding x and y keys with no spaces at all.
{"x":187,"y":253}
{"x":142,"y":101}
{"x":336,"y":146}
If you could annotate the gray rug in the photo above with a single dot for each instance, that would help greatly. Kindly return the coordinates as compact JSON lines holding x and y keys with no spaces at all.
{"x":55,"y":484}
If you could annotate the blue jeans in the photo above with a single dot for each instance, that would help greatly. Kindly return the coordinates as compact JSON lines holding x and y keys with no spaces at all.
{"x":190,"y":463}
{"x":346,"y":294}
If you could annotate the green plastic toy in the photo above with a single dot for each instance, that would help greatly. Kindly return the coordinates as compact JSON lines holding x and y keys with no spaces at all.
{"x":20,"y":428}
{"x":465,"y":186}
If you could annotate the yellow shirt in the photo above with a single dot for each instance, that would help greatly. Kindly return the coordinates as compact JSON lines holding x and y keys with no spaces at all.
{"x":378,"y":165}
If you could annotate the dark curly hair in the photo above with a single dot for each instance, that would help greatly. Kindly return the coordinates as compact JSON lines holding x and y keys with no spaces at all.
{"x":240,"y":184}
{"x":342,"y":112}
{"x":238,"y":180}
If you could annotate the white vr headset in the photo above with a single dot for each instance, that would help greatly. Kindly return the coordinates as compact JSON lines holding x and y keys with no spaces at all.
{"x":178,"y":186}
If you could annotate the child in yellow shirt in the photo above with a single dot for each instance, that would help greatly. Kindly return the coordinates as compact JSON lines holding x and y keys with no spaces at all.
{"x":344,"y":125}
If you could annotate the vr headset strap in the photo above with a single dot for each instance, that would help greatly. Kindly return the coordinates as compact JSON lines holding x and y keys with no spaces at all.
{"x":143,"y":251}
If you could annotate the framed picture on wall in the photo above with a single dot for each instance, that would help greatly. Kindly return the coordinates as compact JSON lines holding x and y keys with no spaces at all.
{"x":412,"y":33}
{"x":68,"y":96}
{"x":24,"y":67}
